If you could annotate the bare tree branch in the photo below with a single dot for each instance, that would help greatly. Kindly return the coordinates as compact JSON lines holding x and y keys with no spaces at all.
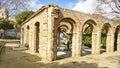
{"x":112,"y":5}
{"x":14,"y":6}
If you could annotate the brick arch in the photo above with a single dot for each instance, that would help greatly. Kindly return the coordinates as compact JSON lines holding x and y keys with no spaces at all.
{"x":109,"y":38}
{"x":76,"y":32}
{"x":71,"y":16}
{"x":63,"y":27}
{"x":70,"y":27}
{"x":117,"y":26}
{"x":107,"y":26}
{"x":91,"y":23}
{"x":68,"y":23}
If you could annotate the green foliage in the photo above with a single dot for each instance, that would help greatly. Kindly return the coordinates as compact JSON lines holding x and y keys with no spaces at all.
{"x":10,"y":37}
{"x":88,"y":37}
{"x":103,"y":38}
{"x":23,"y":16}
{"x":6,"y":24}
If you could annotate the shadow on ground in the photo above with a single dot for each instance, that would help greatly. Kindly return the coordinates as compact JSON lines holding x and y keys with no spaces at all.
{"x":20,"y":59}
{"x":72,"y":65}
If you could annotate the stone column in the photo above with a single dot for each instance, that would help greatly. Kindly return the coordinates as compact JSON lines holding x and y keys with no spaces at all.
{"x":108,"y":43}
{"x":25,"y":36}
{"x":51,"y":48}
{"x":79,"y":44}
{"x":94,"y":41}
{"x":74,"y":45}
{"x":22,"y":36}
{"x":112,"y":42}
{"x":98,"y":43}
{"x":32,"y":47}
{"x":31,"y":39}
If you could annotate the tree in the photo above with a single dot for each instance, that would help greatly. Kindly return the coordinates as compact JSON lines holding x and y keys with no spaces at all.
{"x":15,"y":6}
{"x":21,"y":17}
{"x":6,"y":24}
{"x":109,"y":8}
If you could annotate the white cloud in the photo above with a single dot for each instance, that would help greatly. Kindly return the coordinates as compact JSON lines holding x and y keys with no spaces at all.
{"x":35,"y":5}
{"x":87,"y":6}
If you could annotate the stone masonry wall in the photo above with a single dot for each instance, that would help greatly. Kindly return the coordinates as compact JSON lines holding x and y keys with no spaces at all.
{"x":50,"y":19}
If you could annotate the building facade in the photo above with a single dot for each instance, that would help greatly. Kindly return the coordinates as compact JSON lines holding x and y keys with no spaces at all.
{"x":3,"y":13}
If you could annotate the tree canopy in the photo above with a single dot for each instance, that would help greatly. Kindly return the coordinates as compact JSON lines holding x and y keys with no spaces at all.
{"x":21,"y":17}
{"x":6,"y":24}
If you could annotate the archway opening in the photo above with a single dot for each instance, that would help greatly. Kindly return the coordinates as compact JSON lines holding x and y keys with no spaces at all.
{"x":37,"y":31}
{"x":27,"y":36}
{"x":105,"y":35}
{"x":65,"y":33}
{"x":116,"y":38}
{"x":87,"y":38}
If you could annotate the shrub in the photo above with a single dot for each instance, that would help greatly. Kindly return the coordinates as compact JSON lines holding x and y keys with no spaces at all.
{"x":10,"y":37}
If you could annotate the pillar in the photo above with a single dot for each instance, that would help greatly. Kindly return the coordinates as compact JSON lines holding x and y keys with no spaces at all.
{"x":22,"y":36}
{"x":94,"y":41}
{"x":79,"y":44}
{"x":32,"y":46}
{"x":74,"y":45}
{"x":51,"y":52}
{"x":25,"y":36}
{"x":112,"y":42}
{"x":98,"y":43}
{"x":108,"y":44}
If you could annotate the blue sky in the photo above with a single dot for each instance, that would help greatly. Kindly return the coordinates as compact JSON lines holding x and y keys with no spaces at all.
{"x":86,"y":6}
{"x":62,"y":3}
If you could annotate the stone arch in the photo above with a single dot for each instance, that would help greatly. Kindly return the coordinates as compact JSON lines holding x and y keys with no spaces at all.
{"x":67,"y":26}
{"x":92,"y":25}
{"x":108,"y":29}
{"x":37,"y":36}
{"x":89,"y":22}
{"x":117,"y":39}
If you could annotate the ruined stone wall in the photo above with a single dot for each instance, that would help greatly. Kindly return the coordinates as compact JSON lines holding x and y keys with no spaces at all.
{"x":52,"y":18}
{"x":29,"y":36}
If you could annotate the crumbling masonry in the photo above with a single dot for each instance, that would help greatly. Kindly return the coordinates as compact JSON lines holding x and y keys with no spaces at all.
{"x":41,"y":32}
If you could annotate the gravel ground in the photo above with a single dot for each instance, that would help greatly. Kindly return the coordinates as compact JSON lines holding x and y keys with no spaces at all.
{"x":24,"y":59}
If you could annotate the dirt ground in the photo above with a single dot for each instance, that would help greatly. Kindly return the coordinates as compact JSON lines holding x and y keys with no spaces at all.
{"x":25,"y":59}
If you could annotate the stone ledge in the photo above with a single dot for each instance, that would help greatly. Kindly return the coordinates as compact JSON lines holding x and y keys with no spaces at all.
{"x":19,"y":48}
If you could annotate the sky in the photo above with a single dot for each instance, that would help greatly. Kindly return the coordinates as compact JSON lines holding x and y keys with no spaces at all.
{"x":86,"y":6}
